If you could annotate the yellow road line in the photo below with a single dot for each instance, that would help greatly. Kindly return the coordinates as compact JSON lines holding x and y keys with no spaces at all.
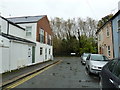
{"x":31,"y":76}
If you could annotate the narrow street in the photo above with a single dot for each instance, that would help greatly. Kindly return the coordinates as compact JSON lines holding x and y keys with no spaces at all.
{"x":69,"y":73}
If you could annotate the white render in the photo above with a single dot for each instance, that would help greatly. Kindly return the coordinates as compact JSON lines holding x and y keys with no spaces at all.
{"x":41,"y":58}
{"x":15,"y":31}
{"x":34,"y":26}
{"x":16,"y":54}
{"x":3,"y":25}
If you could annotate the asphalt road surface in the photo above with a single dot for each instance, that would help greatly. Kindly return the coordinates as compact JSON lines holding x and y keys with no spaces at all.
{"x":69,"y":73}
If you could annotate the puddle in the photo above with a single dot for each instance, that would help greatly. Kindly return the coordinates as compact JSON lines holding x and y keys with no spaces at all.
{"x":85,"y":81}
{"x":68,"y":63}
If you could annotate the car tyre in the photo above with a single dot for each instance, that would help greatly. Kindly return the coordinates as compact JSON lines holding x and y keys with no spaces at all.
{"x":89,"y":71}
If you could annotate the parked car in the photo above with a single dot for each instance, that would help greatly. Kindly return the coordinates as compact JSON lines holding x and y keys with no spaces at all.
{"x":83,"y":58}
{"x":110,"y":75}
{"x":72,"y":54}
{"x":95,"y":62}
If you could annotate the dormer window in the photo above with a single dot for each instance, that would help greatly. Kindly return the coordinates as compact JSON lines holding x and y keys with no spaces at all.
{"x":29,"y":31}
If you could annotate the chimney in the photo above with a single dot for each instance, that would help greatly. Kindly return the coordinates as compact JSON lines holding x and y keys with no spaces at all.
{"x":118,"y":5}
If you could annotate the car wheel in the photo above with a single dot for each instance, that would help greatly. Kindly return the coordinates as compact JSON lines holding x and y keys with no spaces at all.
{"x":100,"y":83}
{"x":82,"y":62}
{"x":89,"y":71}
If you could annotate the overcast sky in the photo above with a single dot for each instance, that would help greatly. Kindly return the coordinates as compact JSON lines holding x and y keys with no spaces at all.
{"x":95,"y":9}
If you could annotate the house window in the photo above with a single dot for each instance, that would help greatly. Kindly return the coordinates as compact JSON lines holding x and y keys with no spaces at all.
{"x":49,"y":51}
{"x":41,"y":50}
{"x":46,"y":53}
{"x":41,"y":34}
{"x":28,"y":30}
{"x":109,"y":51}
{"x":49,"y":39}
{"x":99,"y":37}
{"x":119,"y":25}
{"x":107,"y":31}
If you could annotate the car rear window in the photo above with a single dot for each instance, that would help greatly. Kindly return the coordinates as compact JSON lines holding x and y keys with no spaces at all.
{"x":98,"y":57}
{"x":116,"y":69}
{"x":111,"y":65}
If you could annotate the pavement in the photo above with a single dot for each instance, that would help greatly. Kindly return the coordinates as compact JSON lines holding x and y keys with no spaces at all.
{"x":10,"y":77}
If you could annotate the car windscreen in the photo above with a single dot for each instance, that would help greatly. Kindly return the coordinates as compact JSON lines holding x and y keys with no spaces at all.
{"x":85,"y":55}
{"x":99,"y":58}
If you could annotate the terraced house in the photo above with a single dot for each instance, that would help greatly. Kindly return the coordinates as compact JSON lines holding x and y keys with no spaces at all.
{"x":32,"y":41}
{"x":109,"y":37}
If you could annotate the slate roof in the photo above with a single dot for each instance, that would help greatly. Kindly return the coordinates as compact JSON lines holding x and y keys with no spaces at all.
{"x":12,"y":23}
{"x":108,"y":21}
{"x":25,"y":19}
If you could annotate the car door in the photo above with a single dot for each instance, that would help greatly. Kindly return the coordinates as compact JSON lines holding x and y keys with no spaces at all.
{"x":115,"y":79}
{"x":106,"y":74}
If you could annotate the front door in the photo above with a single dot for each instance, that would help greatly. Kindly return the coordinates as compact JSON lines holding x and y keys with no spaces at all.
{"x":33,"y":54}
{"x":45,"y":53}
{"x":30,"y":54}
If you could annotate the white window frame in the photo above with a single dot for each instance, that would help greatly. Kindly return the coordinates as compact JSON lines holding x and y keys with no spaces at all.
{"x":29,"y":31}
{"x":41,"y":50}
{"x":49,"y":51}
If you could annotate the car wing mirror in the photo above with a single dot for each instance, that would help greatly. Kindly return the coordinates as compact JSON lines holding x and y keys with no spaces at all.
{"x":119,"y":86}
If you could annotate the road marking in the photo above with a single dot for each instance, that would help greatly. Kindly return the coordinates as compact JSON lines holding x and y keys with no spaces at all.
{"x":30,"y":77}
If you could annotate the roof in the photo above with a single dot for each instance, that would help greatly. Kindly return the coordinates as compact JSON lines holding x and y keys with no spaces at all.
{"x":16,"y":38}
{"x":108,"y":21}
{"x":26,"y":19}
{"x":12,"y":23}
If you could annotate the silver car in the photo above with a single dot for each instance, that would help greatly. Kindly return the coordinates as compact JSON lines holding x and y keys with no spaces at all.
{"x":95,"y":62}
{"x":83,"y":58}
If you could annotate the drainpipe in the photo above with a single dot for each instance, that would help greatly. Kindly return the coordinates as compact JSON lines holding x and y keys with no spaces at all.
{"x":7,"y":27}
{"x":112,"y":39}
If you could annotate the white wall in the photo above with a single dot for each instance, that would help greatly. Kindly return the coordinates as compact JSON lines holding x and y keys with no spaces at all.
{"x":15,"y":31}
{"x":34,"y":28}
{"x":3,"y":24}
{"x":41,"y":58}
{"x":4,"y":54}
{"x":18,"y":55}
{"x":13,"y":55}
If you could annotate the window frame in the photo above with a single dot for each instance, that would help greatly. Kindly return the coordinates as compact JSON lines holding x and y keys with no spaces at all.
{"x":41,"y":35}
{"x":49,"y":51}
{"x":41,"y":50}
{"x":28,"y":31}
{"x":107,"y":31}
{"x":109,"y":50}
